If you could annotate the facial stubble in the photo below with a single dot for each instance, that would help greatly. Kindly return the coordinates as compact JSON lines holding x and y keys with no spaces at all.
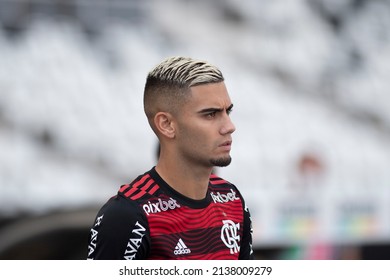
{"x":221,"y":162}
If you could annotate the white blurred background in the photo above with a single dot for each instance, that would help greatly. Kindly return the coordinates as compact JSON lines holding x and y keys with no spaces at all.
{"x":309,"y":80}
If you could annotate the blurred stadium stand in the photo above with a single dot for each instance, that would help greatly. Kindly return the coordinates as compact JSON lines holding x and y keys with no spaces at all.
{"x":309,"y":80}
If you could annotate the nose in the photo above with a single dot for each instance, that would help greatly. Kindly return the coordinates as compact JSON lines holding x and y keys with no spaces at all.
{"x":228,"y":126}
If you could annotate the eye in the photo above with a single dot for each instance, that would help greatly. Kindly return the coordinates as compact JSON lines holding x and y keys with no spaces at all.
{"x":211,"y":115}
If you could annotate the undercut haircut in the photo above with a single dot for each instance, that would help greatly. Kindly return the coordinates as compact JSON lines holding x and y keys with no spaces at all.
{"x":167,"y":85}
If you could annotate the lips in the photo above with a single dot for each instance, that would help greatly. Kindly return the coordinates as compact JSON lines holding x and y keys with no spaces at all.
{"x":226,"y":143}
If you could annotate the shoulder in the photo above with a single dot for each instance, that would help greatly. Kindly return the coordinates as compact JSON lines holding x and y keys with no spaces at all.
{"x":131,"y":197}
{"x":140,"y":188}
{"x":118,"y":209}
{"x":221,"y":189}
{"x":217,"y":182}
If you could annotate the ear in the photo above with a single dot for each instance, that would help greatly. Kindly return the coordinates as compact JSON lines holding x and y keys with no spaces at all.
{"x":164,"y":124}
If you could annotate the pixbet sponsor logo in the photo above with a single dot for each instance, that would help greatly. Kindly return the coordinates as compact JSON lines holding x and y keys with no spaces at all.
{"x":160,"y":206}
{"x":223,"y":198}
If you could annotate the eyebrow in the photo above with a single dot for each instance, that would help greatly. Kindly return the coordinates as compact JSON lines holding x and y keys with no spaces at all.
{"x":209,"y":110}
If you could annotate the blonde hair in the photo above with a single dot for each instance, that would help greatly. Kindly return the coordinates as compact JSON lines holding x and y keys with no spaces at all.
{"x":185,"y":71}
{"x":167,"y":83}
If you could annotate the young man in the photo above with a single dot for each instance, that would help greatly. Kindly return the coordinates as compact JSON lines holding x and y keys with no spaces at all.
{"x":179,"y":209}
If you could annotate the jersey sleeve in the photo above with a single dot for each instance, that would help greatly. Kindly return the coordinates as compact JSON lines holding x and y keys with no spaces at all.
{"x":120,"y":231}
{"x":246,"y":250}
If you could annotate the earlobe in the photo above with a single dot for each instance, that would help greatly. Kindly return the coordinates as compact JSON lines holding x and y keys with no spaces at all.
{"x":164,"y":124}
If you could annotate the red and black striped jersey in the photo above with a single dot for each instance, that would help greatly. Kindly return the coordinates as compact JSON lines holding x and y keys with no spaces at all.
{"x":148,"y":219}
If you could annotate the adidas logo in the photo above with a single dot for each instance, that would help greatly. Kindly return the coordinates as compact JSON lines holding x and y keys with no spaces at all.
{"x":181,"y":248}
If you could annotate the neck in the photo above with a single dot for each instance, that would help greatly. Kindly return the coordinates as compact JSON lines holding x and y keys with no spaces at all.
{"x":190,"y":181}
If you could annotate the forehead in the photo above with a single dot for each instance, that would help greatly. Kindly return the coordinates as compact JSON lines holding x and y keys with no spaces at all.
{"x":209,"y":95}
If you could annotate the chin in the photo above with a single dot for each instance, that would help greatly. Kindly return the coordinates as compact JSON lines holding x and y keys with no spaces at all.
{"x":221,"y":162}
